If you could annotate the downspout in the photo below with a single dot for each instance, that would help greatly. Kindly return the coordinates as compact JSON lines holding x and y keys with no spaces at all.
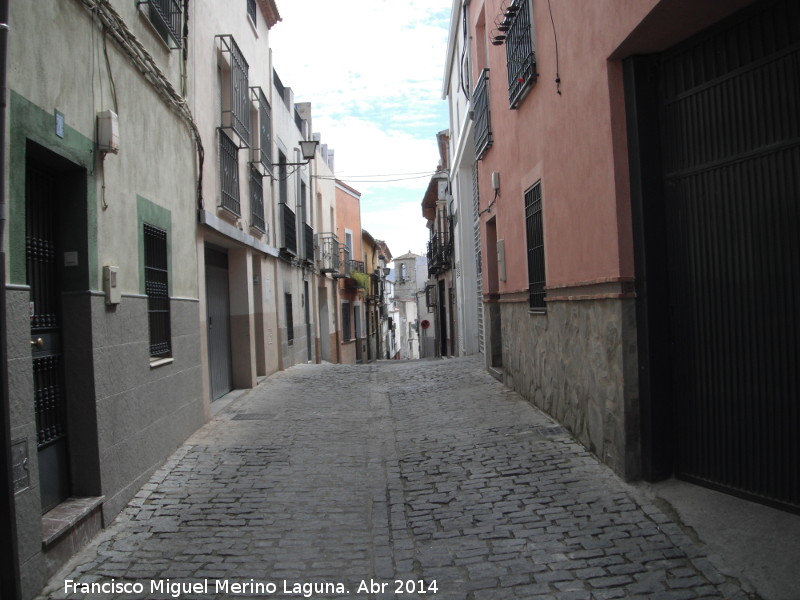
{"x":10,"y":584}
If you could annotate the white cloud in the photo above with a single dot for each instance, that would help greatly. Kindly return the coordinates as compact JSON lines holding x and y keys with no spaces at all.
{"x":373,"y":76}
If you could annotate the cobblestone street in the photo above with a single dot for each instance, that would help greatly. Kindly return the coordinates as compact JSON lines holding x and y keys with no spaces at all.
{"x":331,"y":481}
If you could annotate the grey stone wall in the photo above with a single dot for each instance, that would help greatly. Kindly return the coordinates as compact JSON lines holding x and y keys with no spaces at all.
{"x":143,"y":413}
{"x":578,"y":363}
{"x":124,"y":417}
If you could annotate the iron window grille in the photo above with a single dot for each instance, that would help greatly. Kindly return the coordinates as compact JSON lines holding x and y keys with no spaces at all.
{"x":251,"y":11}
{"x":520,"y":54}
{"x":235,"y":99}
{"x":262,"y":152}
{"x":165,"y":15}
{"x":289,"y":319}
{"x":309,"y":242}
{"x":535,"y":239}
{"x":481,"y":115}
{"x":156,"y":282}
{"x":346,"y":321}
{"x":257,"y":201}
{"x":229,"y":173}
{"x":289,"y":222}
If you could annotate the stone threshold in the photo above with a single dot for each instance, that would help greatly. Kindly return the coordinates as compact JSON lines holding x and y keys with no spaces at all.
{"x":66,"y":517}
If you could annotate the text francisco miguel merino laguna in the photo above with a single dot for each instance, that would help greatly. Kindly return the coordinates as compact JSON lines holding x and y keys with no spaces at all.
{"x":175,"y":589}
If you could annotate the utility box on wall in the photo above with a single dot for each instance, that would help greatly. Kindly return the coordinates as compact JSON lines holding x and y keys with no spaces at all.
{"x":110,"y":286}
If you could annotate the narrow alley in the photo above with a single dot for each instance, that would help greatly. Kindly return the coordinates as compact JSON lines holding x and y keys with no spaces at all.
{"x":388,"y":481}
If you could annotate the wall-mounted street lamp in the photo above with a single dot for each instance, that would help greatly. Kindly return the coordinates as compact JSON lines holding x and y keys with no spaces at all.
{"x":309,"y":149}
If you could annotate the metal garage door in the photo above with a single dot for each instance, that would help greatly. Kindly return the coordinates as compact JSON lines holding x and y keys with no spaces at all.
{"x":731,"y":154}
{"x":219,"y":329}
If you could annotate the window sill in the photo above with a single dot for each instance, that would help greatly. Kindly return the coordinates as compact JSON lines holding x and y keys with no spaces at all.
{"x":160,"y":362}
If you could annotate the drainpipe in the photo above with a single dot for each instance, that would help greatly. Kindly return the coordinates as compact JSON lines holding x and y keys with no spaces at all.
{"x":10,"y":586}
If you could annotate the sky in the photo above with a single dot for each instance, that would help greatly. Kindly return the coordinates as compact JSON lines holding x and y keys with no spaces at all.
{"x":373,"y":77}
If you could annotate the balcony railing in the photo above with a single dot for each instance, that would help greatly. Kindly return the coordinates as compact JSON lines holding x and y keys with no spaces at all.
{"x":440,"y":252}
{"x":356,"y":266}
{"x":328,"y":247}
{"x":481,"y":115}
{"x":289,"y":223}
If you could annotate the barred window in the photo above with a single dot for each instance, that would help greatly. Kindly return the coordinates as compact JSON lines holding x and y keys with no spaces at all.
{"x":165,"y":15}
{"x":229,"y":173}
{"x":257,"y":201}
{"x":289,"y":319}
{"x":235,"y":90}
{"x":346,"y":321}
{"x":520,"y":53}
{"x":156,"y":278}
{"x":264,"y":130}
{"x":535,"y":236}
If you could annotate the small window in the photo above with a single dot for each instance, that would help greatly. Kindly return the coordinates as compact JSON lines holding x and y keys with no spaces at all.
{"x":165,"y":15}
{"x":535,"y":238}
{"x":346,"y":321}
{"x":251,"y":11}
{"x":229,"y":173}
{"x":289,"y":319}
{"x":156,"y":282}
{"x":257,"y":201}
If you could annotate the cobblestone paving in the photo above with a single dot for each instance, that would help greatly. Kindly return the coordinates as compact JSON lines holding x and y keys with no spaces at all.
{"x":431,"y":474}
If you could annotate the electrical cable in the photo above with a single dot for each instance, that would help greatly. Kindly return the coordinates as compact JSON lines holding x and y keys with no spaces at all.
{"x":555,"y":38}
{"x":115,"y":26}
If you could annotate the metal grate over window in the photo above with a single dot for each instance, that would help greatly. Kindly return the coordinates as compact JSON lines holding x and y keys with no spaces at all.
{"x":535,"y":235}
{"x":257,"y":201}
{"x":165,"y":15}
{"x":236,"y":103}
{"x":346,"y":332}
{"x":481,"y":115}
{"x":156,"y":282}
{"x":264,"y":129}
{"x":520,"y":55}
{"x":289,"y":222}
{"x":289,"y":319}
{"x":229,"y":173}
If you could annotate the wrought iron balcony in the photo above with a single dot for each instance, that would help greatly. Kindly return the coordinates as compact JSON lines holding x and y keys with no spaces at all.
{"x":354,"y":266}
{"x":481,"y":115}
{"x":440,"y":252}
{"x":289,"y":226}
{"x":328,"y":247}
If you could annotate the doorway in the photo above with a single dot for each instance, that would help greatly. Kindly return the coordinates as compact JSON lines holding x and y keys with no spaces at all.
{"x":218,"y":323}
{"x":45,"y":252}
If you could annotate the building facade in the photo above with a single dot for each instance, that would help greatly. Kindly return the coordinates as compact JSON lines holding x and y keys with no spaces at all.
{"x":102,"y":314}
{"x":621,"y":293}
{"x":354,"y":283}
{"x":440,"y":291}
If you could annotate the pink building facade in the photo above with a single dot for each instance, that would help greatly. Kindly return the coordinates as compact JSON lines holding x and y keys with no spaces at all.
{"x":608,"y":143}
